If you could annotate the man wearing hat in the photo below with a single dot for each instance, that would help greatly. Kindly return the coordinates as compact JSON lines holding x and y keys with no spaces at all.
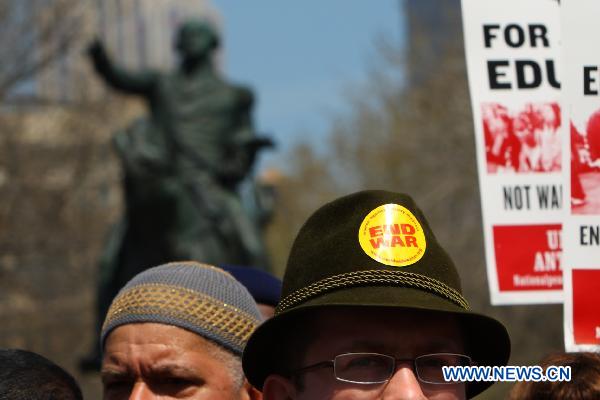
{"x":371,"y":308}
{"x":178,"y":331}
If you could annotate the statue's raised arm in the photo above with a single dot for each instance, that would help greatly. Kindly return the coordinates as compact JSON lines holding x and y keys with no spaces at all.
{"x":140,"y":83}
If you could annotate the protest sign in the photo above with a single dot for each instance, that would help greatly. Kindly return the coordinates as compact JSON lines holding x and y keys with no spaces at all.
{"x":513,"y":66}
{"x":581,"y":227}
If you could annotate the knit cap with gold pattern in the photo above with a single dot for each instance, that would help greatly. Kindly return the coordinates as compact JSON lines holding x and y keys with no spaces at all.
{"x":200,"y":298}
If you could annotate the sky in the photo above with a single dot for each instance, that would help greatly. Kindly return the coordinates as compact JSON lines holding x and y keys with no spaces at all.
{"x":299,"y":56}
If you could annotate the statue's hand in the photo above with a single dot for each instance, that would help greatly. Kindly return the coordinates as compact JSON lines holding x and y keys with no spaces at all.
{"x":260,"y":143}
{"x":96,"y":49}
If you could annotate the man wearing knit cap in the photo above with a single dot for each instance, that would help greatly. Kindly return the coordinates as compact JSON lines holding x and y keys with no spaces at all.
{"x":371,"y":308}
{"x":178,"y":331}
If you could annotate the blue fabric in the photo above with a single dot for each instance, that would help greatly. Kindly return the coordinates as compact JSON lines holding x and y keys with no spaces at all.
{"x":264,"y":287}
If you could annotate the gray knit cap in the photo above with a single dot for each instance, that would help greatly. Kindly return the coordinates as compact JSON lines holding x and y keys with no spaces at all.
{"x":200,"y":298}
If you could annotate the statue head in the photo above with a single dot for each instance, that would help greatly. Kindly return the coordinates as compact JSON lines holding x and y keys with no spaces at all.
{"x":196,"y":39}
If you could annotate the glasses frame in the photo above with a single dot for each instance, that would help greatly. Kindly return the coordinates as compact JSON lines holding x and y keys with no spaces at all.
{"x":396,"y":361}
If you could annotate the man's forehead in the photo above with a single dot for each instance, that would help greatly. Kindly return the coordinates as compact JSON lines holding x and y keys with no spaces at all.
{"x":152,"y":348}
{"x":154,"y":342}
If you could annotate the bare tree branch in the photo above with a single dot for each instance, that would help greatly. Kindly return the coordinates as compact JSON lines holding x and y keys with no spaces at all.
{"x":33,"y":35}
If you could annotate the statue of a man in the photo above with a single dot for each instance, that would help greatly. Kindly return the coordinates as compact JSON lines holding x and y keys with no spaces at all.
{"x":182,"y":166}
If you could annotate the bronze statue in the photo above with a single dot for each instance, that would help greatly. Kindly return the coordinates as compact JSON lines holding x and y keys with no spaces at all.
{"x":182,"y":166}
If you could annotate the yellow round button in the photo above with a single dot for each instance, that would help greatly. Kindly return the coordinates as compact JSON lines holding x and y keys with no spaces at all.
{"x":392,"y":235}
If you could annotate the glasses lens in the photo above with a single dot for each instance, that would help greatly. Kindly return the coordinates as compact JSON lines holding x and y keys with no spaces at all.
{"x":363,"y":367}
{"x":429,"y":366}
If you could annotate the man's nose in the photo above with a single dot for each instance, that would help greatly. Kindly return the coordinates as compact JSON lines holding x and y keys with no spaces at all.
{"x":141,"y":391}
{"x":403,"y":385}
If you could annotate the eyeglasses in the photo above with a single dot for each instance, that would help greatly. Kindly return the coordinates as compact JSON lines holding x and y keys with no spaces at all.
{"x":373,"y":368}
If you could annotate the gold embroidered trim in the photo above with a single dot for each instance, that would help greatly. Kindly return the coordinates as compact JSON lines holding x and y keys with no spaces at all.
{"x":372,"y":277}
{"x":184,"y":304}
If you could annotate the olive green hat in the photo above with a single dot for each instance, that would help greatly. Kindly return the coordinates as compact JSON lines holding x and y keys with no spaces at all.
{"x":370,"y":249}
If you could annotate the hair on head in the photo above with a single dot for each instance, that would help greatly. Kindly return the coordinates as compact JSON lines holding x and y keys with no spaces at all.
{"x":29,"y":376}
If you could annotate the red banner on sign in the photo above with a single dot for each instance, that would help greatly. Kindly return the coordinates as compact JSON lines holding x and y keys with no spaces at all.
{"x":586,"y":297}
{"x":528,"y":257}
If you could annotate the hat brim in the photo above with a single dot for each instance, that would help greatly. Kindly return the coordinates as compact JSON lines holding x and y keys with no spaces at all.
{"x":486,"y":340}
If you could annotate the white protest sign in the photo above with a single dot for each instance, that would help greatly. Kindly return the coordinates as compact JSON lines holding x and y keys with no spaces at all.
{"x":512,"y":51}
{"x":581,"y":229}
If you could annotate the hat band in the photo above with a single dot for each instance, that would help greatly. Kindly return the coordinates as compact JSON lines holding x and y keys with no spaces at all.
{"x":375,"y":278}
